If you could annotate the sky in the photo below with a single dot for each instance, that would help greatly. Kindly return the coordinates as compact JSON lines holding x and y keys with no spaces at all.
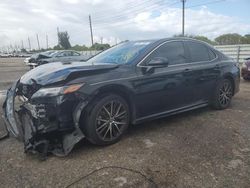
{"x":117,"y":20}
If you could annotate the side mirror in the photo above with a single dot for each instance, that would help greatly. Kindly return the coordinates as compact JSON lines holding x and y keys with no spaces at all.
{"x":158,"y":62}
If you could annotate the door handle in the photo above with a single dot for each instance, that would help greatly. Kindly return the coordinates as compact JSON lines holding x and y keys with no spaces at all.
{"x":187,"y":70}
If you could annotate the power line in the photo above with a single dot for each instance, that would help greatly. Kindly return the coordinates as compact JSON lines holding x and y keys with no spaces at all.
{"x":206,"y":3}
{"x":131,"y":20}
{"x":124,"y":14}
{"x":126,"y":11}
{"x":126,"y":17}
{"x":129,"y":5}
{"x":126,"y":21}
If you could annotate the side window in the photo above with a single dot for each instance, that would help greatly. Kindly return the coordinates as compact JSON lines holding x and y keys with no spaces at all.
{"x":61,"y":54}
{"x":75,"y":54}
{"x":211,"y":54}
{"x":67,"y":53}
{"x":173,"y":51}
{"x":198,"y":52}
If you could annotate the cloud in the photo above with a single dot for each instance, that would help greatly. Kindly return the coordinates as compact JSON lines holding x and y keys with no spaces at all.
{"x":71,"y":1}
{"x":111,"y":21}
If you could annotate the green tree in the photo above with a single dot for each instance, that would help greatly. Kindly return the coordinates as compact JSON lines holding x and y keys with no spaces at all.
{"x":231,"y":38}
{"x":79,"y":48}
{"x":57,"y":47}
{"x":205,"y":39}
{"x":246,"y":39}
{"x":63,"y":38}
{"x":198,"y":37}
{"x":99,"y":47}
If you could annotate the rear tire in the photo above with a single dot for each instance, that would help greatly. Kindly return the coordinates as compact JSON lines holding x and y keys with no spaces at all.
{"x":223,"y":95}
{"x":106,"y":119}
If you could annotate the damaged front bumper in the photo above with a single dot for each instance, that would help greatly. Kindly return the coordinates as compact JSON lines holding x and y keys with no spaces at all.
{"x":44,"y":127}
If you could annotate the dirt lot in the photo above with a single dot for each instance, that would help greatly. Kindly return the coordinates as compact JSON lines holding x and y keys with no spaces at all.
{"x":202,"y":148}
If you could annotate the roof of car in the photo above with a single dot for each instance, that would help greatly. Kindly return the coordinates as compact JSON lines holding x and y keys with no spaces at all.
{"x":166,"y":39}
{"x":161,"y":40}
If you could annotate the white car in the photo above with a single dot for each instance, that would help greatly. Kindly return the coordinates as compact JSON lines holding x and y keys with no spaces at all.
{"x":26,"y":60}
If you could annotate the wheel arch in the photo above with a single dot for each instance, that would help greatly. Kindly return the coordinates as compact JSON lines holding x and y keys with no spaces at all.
{"x":123,"y":92}
{"x":231,"y":79}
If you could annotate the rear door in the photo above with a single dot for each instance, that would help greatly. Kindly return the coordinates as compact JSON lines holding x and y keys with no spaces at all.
{"x":204,"y":70}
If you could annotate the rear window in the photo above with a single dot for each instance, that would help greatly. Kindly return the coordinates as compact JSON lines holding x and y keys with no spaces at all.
{"x":198,"y":52}
{"x":211,"y":54}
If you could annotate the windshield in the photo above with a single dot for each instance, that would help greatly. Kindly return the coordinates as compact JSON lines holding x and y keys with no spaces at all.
{"x":48,"y":52}
{"x":54,"y":54}
{"x":121,"y":54}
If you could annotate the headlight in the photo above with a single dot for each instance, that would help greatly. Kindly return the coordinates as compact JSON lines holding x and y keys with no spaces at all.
{"x":55,"y":91}
{"x":244,"y":65}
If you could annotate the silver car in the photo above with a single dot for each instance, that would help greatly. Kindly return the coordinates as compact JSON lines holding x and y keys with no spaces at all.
{"x":62,"y":56}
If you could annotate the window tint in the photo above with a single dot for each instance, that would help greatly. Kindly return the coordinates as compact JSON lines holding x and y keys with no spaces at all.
{"x":211,"y":54}
{"x":75,"y":54}
{"x":173,"y":51}
{"x":67,"y":53}
{"x":61,"y":54}
{"x":198,"y":51}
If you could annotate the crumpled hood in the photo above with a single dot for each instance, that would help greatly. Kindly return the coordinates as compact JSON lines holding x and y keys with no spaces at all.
{"x":56,"y":72}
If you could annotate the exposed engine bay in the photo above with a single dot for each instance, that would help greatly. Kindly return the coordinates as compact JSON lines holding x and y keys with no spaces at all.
{"x":41,"y":127}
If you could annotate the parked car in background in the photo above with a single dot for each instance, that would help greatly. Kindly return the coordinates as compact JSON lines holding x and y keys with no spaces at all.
{"x":32,"y":60}
{"x":62,"y":56}
{"x":245,"y":69}
{"x":54,"y":106}
{"x":6,"y":55}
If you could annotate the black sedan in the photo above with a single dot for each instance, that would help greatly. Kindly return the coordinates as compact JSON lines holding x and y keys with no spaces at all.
{"x":54,"y":106}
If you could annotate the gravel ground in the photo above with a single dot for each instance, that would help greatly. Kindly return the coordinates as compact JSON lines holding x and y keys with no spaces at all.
{"x":201,"y":148}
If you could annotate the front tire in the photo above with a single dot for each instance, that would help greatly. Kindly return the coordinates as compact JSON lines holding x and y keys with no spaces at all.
{"x":223,"y":95}
{"x":106,"y":119}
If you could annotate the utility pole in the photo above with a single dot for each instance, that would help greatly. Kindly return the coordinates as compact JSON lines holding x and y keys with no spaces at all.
{"x":101,"y":40}
{"x":47,"y":41}
{"x":22,"y":44}
{"x":38,"y":42}
{"x":58,"y":35}
{"x":29,"y":43}
{"x":183,"y":17}
{"x":91,"y":32}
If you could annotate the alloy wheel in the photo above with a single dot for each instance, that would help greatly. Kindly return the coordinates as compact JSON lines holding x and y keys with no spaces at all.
{"x":111,"y":120}
{"x":226,"y":93}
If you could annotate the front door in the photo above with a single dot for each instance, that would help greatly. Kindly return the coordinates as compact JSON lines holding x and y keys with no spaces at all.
{"x":162,"y":89}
